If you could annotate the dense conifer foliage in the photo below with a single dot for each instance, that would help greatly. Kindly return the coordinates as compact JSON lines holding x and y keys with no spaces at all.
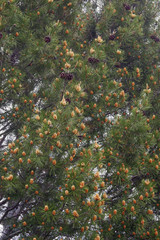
{"x":80,"y":119}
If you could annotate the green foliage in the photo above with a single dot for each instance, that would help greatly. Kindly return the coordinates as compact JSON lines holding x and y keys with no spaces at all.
{"x":80,"y":133}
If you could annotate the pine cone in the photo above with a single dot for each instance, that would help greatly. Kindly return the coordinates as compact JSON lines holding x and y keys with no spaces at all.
{"x":47,"y":39}
{"x":67,"y":76}
{"x":126,"y":6}
{"x":62,"y":75}
{"x":117,"y":65}
{"x":68,"y":100}
{"x":112,"y":37}
{"x":153,"y":37}
{"x":93,"y":60}
{"x":156,"y":39}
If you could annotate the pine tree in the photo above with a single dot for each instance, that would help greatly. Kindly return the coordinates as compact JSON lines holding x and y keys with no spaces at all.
{"x":85,"y":159}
